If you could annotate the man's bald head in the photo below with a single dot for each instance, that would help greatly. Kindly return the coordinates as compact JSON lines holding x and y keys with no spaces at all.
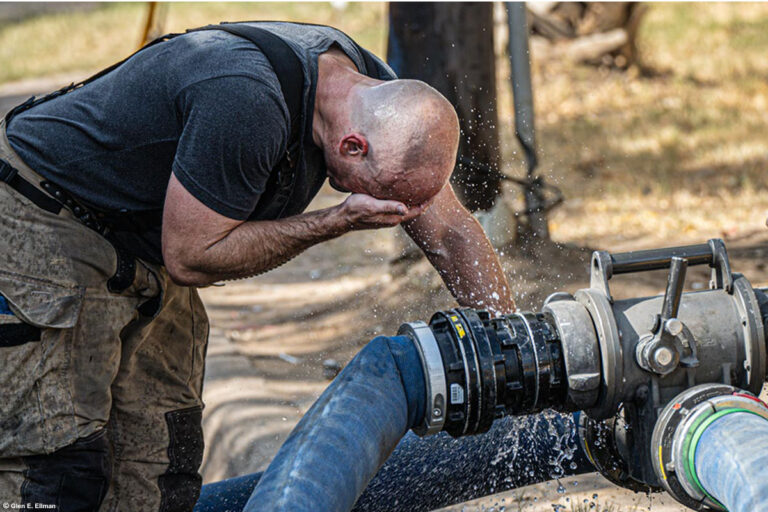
{"x":403,"y":137}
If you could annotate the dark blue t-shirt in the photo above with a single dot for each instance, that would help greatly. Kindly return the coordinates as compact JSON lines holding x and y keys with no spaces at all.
{"x":206,"y":106}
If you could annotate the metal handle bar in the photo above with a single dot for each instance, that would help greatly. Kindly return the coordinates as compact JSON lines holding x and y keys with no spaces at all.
{"x":713,"y":253}
{"x":655,"y":259}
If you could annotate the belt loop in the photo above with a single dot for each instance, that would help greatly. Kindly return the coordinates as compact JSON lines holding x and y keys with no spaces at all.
{"x":125,"y":273}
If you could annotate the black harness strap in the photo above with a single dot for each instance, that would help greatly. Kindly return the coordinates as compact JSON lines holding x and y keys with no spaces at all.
{"x":33,"y":101}
{"x":370,"y":64}
{"x":285,"y":63}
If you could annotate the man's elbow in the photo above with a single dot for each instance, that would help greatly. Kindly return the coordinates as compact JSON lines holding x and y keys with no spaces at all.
{"x":181,"y":273}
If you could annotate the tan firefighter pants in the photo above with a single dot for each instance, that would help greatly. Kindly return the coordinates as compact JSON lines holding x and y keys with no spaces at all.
{"x":100,"y":392}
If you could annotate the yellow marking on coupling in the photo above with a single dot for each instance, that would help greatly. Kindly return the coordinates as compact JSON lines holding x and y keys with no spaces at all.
{"x":454,"y":318}
{"x":661,"y":465}
{"x":589,"y":453}
{"x":460,"y":330}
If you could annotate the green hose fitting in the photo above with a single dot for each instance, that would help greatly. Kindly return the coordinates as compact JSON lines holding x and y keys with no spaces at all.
{"x":680,"y":427}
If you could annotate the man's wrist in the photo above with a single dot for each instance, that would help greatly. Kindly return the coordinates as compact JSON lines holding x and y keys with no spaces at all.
{"x":336,"y":221}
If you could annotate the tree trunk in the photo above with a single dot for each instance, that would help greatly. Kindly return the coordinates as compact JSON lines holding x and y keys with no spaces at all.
{"x":450,"y":47}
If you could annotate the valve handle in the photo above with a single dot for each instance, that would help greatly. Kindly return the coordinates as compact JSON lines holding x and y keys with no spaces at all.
{"x":674,"y":291}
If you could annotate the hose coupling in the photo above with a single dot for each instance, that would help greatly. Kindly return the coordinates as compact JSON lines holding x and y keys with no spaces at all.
{"x":678,"y":430}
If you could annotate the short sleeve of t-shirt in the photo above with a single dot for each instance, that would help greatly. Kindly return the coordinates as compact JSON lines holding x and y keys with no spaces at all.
{"x":235,"y":131}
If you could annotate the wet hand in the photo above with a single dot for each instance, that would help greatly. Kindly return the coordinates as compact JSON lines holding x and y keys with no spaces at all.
{"x":362,"y":211}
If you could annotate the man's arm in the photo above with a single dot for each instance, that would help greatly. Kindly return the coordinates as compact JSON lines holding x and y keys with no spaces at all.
{"x":201,"y":246}
{"x":457,"y":247}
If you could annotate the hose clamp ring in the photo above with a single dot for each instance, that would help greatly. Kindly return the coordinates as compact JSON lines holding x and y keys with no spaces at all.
{"x":434,"y":376}
{"x":675,"y":435}
{"x":691,"y":428}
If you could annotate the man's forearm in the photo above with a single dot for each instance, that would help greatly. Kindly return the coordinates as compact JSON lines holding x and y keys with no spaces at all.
{"x":472,"y":270}
{"x":457,"y":247}
{"x":256,"y":247}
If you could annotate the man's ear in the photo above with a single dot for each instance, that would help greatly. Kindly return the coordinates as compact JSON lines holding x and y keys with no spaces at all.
{"x":353,"y":145}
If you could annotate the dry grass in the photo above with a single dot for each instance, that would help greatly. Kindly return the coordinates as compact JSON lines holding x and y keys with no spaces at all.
{"x":66,"y":42}
{"x":681,"y":154}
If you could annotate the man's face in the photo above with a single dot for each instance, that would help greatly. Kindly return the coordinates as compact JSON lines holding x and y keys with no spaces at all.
{"x":384,"y":173}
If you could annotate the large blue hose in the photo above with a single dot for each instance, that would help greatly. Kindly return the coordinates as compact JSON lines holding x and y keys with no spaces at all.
{"x":731,"y":461}
{"x":427,"y":473}
{"x":339,"y":445}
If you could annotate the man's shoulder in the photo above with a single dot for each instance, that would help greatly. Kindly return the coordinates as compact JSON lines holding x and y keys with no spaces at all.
{"x":211,"y":54}
{"x":310,"y":37}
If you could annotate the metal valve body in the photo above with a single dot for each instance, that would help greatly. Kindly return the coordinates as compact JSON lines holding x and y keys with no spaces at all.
{"x":621,"y":361}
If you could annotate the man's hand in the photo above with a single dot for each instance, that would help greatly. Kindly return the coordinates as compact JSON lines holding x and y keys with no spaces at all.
{"x":201,"y":246}
{"x":361,"y":211}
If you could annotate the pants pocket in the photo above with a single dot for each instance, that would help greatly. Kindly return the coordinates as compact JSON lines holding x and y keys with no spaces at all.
{"x":37,"y":318}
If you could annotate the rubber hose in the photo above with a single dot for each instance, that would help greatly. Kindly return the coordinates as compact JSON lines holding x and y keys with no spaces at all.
{"x":731,"y":461}
{"x":340,"y":443}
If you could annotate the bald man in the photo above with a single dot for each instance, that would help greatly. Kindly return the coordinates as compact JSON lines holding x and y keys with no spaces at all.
{"x":190,"y":163}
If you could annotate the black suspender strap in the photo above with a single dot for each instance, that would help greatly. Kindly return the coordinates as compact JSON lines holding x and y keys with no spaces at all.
{"x":281,"y":57}
{"x":371,"y":67}
{"x":285,"y":64}
{"x":33,"y":101}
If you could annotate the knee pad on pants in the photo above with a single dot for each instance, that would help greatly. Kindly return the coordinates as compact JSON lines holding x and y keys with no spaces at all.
{"x":180,"y":484}
{"x":73,"y":478}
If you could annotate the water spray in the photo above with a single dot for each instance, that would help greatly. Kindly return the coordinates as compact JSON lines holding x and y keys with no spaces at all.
{"x":620,"y":361}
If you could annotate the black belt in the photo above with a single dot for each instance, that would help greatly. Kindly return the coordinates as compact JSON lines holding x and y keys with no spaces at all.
{"x":57,"y":198}
{"x":10,"y":175}
{"x":53,"y":198}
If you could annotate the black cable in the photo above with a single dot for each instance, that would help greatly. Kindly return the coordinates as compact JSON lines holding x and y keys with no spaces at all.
{"x":550,"y":203}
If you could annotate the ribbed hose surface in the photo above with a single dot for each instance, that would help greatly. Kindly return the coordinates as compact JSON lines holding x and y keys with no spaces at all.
{"x":427,"y":473}
{"x":731,"y":461}
{"x":337,"y":447}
